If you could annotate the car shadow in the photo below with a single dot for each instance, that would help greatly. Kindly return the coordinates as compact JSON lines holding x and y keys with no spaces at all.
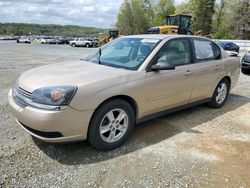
{"x":145,"y":134}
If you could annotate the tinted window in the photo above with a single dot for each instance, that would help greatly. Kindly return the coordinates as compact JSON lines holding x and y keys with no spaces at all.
{"x":185,"y":25}
{"x":176,"y":52}
{"x":203,"y":50}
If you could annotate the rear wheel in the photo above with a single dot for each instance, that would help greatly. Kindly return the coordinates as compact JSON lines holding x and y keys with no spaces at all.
{"x":111,"y":125}
{"x":245,"y":71}
{"x":87,"y":45}
{"x":220,"y":94}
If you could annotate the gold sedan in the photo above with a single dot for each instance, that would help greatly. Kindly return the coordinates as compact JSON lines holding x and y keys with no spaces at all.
{"x":127,"y":81}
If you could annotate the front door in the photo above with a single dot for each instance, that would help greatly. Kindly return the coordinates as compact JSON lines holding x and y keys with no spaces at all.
{"x":170,"y":88}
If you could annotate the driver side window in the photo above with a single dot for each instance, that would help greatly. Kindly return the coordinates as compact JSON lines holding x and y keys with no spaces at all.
{"x":176,"y":51}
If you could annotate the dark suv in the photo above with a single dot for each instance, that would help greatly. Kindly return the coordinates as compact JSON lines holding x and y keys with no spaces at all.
{"x":246,"y":63}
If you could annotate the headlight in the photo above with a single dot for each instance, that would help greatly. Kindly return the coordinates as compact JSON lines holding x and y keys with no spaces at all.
{"x":54,"y":96}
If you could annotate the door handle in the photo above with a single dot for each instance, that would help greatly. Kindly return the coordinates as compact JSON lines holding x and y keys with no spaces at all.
{"x":217,"y":67}
{"x":188,"y":73}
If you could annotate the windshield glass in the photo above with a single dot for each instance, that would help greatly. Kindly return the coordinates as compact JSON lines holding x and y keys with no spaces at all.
{"x":125,"y":53}
{"x":185,"y":23}
{"x":173,"y":21}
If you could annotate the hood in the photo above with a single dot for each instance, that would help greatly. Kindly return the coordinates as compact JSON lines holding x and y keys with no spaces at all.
{"x":67,"y":74}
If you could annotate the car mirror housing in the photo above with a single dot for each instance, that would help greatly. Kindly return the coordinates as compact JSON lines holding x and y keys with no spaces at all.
{"x":163,"y":65}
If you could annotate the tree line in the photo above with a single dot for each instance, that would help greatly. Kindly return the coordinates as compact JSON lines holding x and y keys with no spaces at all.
{"x":222,"y":18}
{"x":229,"y":19}
{"x":47,"y":30}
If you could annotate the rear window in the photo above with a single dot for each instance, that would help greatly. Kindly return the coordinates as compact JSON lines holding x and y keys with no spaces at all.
{"x":203,"y":50}
{"x":206,"y":50}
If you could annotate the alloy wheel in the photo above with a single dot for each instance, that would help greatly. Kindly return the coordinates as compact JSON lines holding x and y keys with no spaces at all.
{"x":114,"y":125}
{"x":221,"y":93}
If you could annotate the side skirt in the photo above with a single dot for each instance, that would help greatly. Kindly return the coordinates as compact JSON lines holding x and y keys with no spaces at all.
{"x":172,"y":110}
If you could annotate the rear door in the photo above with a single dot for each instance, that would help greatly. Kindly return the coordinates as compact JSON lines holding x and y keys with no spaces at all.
{"x":206,"y":70}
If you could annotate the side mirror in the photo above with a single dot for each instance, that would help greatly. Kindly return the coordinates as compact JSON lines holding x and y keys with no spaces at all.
{"x":163,"y":65}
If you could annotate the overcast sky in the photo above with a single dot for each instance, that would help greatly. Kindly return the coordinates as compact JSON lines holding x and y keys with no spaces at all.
{"x":96,"y":13}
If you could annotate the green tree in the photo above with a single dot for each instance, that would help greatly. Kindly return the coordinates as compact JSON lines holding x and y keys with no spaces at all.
{"x":186,"y":8}
{"x":223,"y":19}
{"x":232,"y":19}
{"x":134,"y":17}
{"x":36,"y":29}
{"x":162,"y":9}
{"x":219,"y":12}
{"x":203,"y":14}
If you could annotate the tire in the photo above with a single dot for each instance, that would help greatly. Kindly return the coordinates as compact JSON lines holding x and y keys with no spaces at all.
{"x":111,"y":137}
{"x":245,"y":71}
{"x":221,"y":89}
{"x":73,"y":45}
{"x":87,"y":45}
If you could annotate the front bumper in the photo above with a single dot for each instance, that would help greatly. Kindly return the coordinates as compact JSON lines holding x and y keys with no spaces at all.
{"x":232,"y":53}
{"x":52,"y":125}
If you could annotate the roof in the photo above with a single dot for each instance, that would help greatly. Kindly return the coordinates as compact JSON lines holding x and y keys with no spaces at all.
{"x":151,"y":36}
{"x":161,"y":36}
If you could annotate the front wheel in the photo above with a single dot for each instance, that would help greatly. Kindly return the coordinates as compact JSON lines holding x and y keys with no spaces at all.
{"x":111,"y":125}
{"x":220,"y":94}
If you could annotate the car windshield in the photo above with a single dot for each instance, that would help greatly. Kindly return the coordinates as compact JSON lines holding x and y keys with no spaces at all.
{"x":124,"y":53}
{"x":173,"y":21}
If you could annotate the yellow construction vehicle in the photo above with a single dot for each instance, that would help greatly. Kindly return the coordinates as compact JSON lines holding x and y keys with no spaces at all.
{"x":113,"y":34}
{"x":175,"y":24}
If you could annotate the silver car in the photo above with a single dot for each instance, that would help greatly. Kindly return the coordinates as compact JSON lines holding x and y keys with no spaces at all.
{"x":128,"y":81}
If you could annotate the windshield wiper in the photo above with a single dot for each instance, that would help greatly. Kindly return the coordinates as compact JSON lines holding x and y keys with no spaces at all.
{"x":99,"y":55}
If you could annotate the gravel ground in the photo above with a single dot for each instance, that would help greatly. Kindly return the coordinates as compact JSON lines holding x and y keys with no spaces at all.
{"x":198,"y":147}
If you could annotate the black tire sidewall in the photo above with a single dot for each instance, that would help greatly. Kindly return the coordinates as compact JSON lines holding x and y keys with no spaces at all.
{"x":245,"y":71}
{"x":94,"y":136}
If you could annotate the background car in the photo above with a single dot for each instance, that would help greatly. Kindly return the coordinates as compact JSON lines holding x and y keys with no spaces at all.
{"x":231,"y":48}
{"x":56,"y":41}
{"x":246,"y":63}
{"x":24,"y":39}
{"x":65,"y":40}
{"x":82,"y":42}
{"x":46,"y":40}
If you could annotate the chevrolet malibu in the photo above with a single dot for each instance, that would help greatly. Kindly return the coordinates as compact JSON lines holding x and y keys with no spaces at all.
{"x":130,"y":80}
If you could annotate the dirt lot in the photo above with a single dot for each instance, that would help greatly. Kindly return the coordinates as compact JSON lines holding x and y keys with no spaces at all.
{"x":198,"y":147}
